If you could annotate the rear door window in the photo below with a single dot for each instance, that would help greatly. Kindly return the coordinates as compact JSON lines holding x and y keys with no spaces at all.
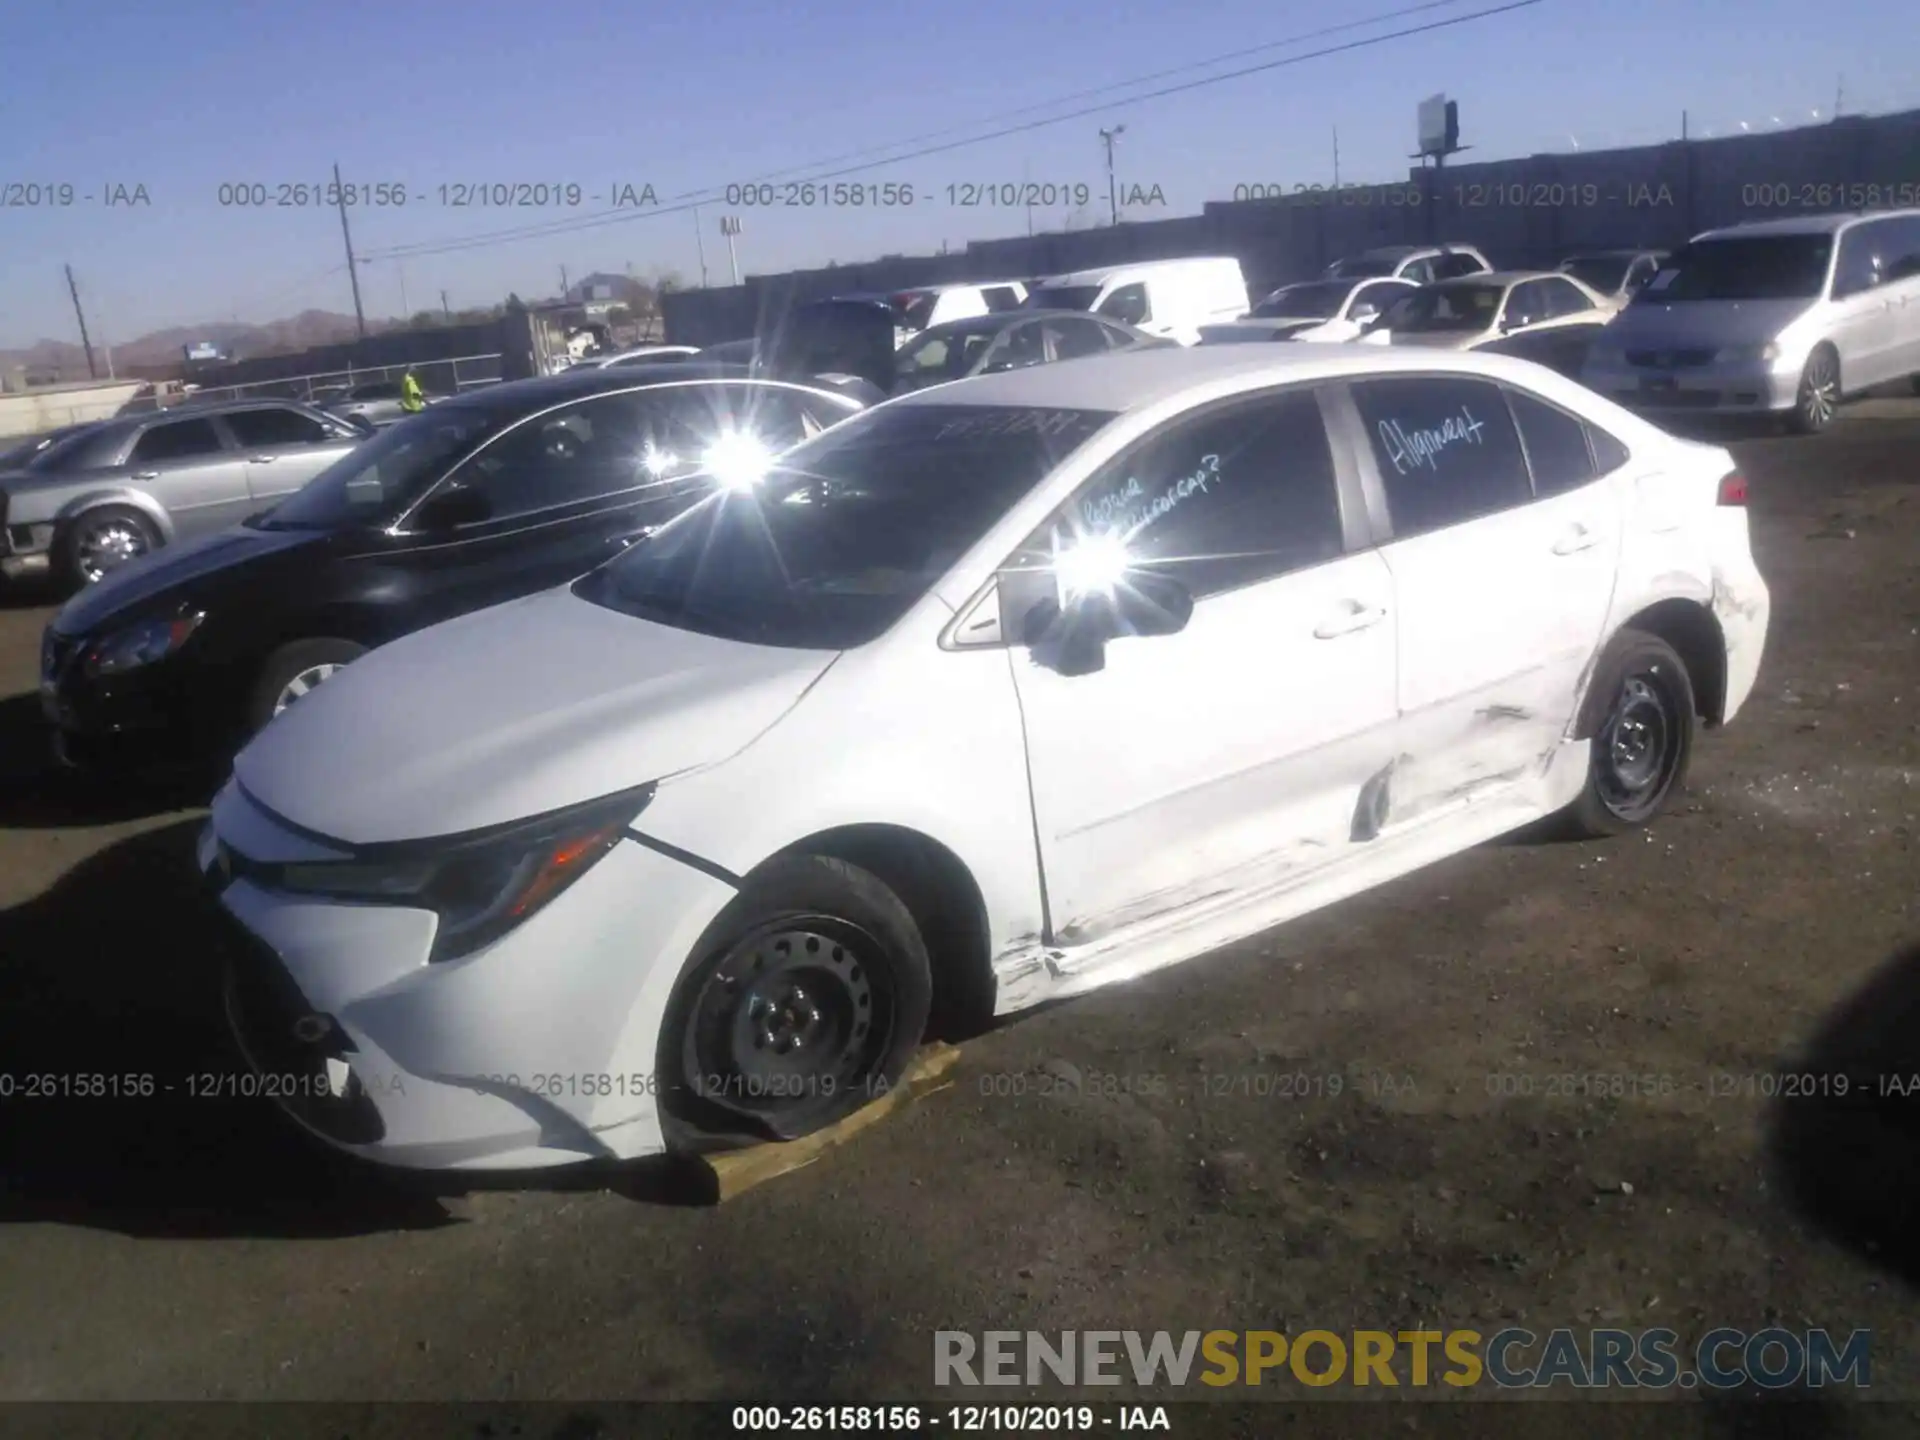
{"x":1446,"y":448}
{"x":264,"y":429}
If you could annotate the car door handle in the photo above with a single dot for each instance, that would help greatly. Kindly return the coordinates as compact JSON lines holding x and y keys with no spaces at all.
{"x":261,"y":459}
{"x":1575,"y":540}
{"x":146,"y":474}
{"x":1353,"y":617}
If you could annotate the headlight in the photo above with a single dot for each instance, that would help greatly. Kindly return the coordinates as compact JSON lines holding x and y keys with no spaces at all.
{"x":139,"y":645}
{"x":1737,"y":353}
{"x":479,"y":886}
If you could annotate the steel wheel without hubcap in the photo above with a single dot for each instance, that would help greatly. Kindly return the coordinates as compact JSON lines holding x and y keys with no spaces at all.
{"x":1640,"y":747}
{"x":301,"y":684}
{"x":791,"y":1023}
{"x":106,"y":545}
{"x":1819,"y":392}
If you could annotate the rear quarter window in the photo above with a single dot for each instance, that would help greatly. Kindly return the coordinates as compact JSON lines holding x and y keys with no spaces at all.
{"x":1556,"y":443}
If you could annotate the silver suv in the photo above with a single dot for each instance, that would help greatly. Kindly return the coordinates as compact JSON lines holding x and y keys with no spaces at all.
{"x":1779,"y":318}
{"x":110,"y":492}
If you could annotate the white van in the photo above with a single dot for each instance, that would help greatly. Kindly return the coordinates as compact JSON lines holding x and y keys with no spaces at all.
{"x":1173,"y":298}
{"x":922,"y":306}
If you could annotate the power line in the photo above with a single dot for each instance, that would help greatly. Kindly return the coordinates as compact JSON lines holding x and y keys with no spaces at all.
{"x":1153,"y":75}
{"x":623,"y":217}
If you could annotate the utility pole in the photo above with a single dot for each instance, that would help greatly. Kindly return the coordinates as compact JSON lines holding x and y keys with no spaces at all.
{"x":405,"y":313}
{"x":340,"y":195}
{"x":1107,"y":137}
{"x":1336,"y":157}
{"x":81,"y":315}
{"x":443,"y":306}
{"x":563,"y":283}
{"x":1839,"y":94}
{"x":700,"y":241}
{"x":730,"y":227}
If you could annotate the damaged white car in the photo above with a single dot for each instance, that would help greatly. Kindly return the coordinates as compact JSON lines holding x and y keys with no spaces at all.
{"x":1001,"y":692}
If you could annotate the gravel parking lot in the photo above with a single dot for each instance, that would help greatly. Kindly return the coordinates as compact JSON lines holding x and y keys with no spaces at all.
{"x":1359,"y":1121}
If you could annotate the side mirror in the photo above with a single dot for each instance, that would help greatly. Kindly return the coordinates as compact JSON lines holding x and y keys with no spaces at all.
{"x":1072,"y":640}
{"x":362,"y":424}
{"x":453,"y":508}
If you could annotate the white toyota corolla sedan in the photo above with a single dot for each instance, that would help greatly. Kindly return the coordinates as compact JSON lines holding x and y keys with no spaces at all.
{"x":997,"y":693}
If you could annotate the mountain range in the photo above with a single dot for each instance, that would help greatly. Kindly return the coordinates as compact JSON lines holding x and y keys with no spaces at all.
{"x":163,"y":347}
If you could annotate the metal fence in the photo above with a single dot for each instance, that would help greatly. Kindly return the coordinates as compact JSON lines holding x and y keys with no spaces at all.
{"x":436,"y":377}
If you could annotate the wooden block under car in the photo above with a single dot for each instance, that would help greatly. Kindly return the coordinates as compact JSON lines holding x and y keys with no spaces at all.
{"x":738,"y":1171}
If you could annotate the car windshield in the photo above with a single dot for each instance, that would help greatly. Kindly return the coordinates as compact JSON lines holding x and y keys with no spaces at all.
{"x":1444,"y":307}
{"x":1363,"y":267}
{"x":829,"y":549}
{"x":1063,"y":297}
{"x":913,"y":309}
{"x":376,"y":480}
{"x":1318,"y":300}
{"x":1746,"y":267}
{"x":63,"y":450}
{"x":940,"y":355}
{"x":1605,"y":273}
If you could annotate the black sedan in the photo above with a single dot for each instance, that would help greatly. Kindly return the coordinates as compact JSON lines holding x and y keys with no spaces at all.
{"x":481,"y":499}
{"x":1010,"y":340}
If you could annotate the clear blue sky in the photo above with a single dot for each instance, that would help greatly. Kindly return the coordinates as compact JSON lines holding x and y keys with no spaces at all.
{"x":185,"y":95}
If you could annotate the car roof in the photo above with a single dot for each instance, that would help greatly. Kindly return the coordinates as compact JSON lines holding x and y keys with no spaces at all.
{"x":592,"y":380}
{"x":1614,"y":254}
{"x":1500,"y":277}
{"x":1101,"y":273}
{"x":1124,"y":380}
{"x":994,"y":320}
{"x":1801,"y":224}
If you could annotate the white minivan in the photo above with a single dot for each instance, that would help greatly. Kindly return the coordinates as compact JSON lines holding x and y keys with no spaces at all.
{"x":1173,"y":298}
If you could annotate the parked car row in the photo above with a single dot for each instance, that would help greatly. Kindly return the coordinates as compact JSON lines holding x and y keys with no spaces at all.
{"x":567,"y":627}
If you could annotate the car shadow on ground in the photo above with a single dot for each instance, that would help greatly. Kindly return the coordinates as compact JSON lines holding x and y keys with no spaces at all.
{"x":30,"y":593}
{"x":110,"y":986}
{"x":37,"y":793}
{"x":1845,"y":1129}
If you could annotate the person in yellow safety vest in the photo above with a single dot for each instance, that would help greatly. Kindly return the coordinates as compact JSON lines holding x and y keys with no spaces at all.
{"x":411,"y":400}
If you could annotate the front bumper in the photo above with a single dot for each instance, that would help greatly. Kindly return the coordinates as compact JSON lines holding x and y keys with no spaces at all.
{"x":536,"y":1051}
{"x":171,"y":711}
{"x":1718,"y":388}
{"x":25,"y":550}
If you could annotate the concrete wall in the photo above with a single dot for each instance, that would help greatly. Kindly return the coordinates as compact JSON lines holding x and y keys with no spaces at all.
{"x":427,"y":351}
{"x":41,"y":410}
{"x":1523,"y":213}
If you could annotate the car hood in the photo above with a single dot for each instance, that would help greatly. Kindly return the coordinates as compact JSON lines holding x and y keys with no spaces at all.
{"x":1703,"y":324}
{"x":131,"y":588}
{"x":512,"y":712}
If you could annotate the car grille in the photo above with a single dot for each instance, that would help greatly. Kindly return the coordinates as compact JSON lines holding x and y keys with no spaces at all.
{"x":289,"y":1044}
{"x":1669,"y":359}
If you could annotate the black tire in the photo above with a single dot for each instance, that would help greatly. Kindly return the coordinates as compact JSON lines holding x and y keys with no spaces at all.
{"x":1817,"y":399}
{"x":78,"y":558}
{"x":288,"y":664}
{"x":1641,"y":695}
{"x":837,"y":937}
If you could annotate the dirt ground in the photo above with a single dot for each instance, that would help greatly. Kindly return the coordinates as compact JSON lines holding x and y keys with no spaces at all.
{"x":1165,"y":1155}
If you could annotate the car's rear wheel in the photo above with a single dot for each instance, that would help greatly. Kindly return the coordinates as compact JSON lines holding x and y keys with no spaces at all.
{"x":804,"y":1001}
{"x":295,"y":671}
{"x":1818,"y":398}
{"x":1640,"y":716}
{"x":103,"y":539}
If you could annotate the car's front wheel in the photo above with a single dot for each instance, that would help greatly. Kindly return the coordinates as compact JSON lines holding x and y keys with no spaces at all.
{"x":1640,"y":717}
{"x":804,"y":1001}
{"x":1817,"y":400}
{"x":292,"y":672}
{"x":103,"y":539}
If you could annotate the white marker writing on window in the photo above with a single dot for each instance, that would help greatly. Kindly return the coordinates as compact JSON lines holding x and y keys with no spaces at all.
{"x":1117,"y":511}
{"x":1412,"y":449}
